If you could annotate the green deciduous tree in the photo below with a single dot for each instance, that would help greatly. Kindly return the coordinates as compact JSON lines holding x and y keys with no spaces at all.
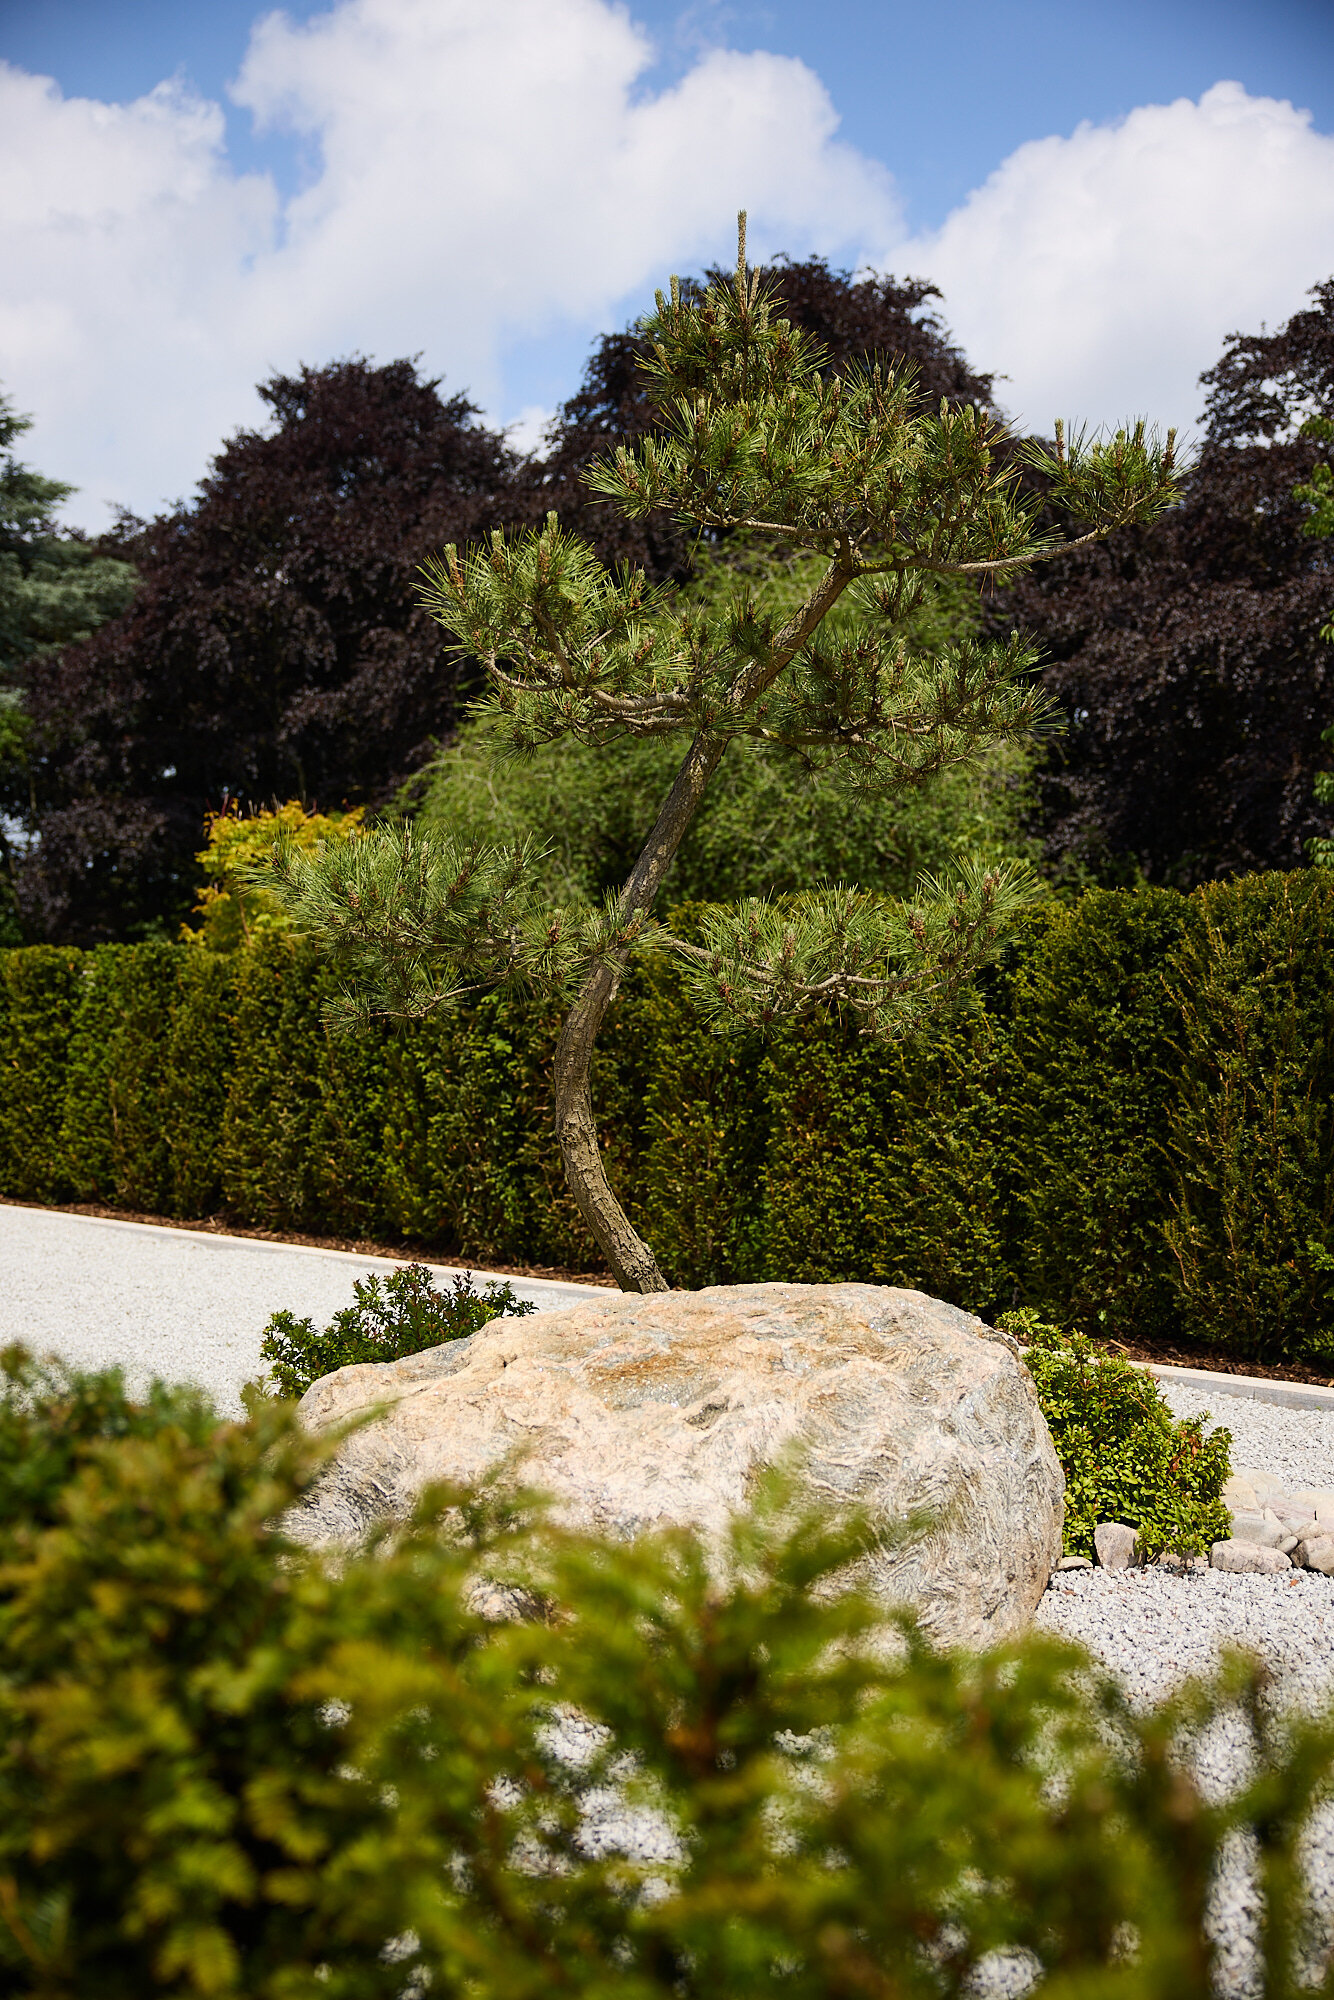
{"x":897,"y":503}
{"x":55,"y":588}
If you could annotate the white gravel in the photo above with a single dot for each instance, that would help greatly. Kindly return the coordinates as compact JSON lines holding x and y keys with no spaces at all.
{"x":1296,"y":1445}
{"x":175,"y":1303}
{"x":1153,"y":1630}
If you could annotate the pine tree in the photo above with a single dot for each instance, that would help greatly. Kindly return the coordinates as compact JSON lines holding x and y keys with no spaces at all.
{"x":757,"y":437}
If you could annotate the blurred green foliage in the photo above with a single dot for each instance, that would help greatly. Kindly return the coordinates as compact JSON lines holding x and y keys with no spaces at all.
{"x":229,"y":1768}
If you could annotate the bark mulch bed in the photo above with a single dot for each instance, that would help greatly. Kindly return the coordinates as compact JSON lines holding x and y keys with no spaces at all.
{"x":1192,"y":1354}
{"x":362,"y":1246}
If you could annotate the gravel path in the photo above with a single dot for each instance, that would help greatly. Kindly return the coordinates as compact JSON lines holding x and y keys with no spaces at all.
{"x":175,"y":1303}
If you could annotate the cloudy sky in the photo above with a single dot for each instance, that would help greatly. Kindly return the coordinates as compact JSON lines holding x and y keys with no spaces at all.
{"x":192,"y":196}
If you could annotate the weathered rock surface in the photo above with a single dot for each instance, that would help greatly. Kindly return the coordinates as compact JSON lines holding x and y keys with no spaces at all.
{"x":1264,"y":1512}
{"x":1248,"y":1558}
{"x":634,"y":1412}
{"x":1115,"y":1544}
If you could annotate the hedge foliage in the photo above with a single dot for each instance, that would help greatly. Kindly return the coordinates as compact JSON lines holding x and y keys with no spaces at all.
{"x":1129,"y":1126}
{"x":230,"y":1770}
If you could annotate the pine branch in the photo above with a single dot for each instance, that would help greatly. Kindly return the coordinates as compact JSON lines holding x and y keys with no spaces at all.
{"x":888,"y":965}
{"x":414,"y":922}
{"x":887,"y":718}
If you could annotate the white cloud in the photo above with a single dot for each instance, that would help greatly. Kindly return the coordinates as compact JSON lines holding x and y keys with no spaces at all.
{"x":528,"y":431}
{"x":486,"y":174}
{"x":1101,"y":272}
{"x":487,"y":177}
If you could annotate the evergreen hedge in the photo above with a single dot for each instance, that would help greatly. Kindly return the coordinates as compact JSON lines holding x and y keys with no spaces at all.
{"x":1128,"y":1126}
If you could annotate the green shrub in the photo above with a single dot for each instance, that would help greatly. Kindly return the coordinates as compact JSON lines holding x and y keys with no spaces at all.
{"x":231,"y":1769}
{"x":403,"y":1315}
{"x":887,"y":1164}
{"x":197,"y":1069}
{"x":1131,"y":1124}
{"x":113,"y":1138}
{"x":695,"y":1189}
{"x":467,"y":1156}
{"x":1124,"y":1455}
{"x":52,"y":1416}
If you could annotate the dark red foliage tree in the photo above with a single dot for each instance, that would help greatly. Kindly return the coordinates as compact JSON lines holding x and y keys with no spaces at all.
{"x":1187,"y":657}
{"x":275,"y":649}
{"x":855,"y":319}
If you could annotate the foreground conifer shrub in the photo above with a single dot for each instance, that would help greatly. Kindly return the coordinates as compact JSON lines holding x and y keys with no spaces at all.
{"x":1124,"y":1455}
{"x":227,"y":1769}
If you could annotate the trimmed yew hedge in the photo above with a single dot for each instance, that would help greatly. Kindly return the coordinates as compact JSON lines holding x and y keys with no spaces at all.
{"x":1128,"y":1125}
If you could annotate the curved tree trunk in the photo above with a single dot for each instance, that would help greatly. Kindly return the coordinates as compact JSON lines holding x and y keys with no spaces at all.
{"x":632,"y":1262}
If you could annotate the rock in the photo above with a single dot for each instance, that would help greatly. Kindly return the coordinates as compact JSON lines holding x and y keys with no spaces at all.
{"x":1239,"y":1496}
{"x":1179,"y":1565}
{"x":1243,"y":1557}
{"x":1317,"y":1504}
{"x":1074,"y":1562}
{"x":1115,"y":1543}
{"x":1318,"y":1553}
{"x":1266,"y":1530}
{"x":637,"y":1412}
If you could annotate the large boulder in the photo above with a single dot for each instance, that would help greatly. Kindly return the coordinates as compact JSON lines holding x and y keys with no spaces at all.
{"x":634,"y":1412}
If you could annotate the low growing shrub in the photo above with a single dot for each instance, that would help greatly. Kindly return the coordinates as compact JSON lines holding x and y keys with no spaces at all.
{"x":1125,"y":1457}
{"x":230,"y":1768}
{"x":401,"y":1315}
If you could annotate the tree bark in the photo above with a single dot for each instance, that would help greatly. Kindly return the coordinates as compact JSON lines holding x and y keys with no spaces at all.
{"x":633,"y":1264}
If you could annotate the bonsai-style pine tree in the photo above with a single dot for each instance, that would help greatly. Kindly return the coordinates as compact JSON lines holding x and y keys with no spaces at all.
{"x":759,"y":438}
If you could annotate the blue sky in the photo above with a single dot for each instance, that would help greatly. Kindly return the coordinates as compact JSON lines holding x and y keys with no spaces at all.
{"x":167,"y":253}
{"x":941,"y":91}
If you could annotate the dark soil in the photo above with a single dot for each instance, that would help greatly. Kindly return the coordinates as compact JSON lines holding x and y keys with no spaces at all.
{"x":362,"y":1246}
{"x":1190,"y":1354}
